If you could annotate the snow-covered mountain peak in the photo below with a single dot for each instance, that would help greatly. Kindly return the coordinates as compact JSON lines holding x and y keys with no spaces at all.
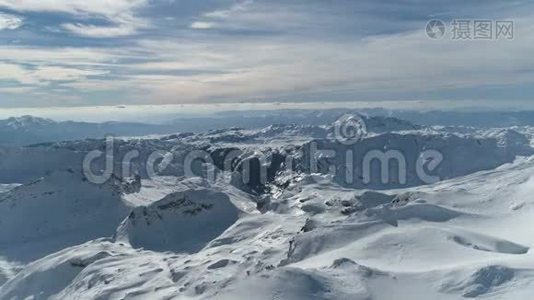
{"x":26,"y":121}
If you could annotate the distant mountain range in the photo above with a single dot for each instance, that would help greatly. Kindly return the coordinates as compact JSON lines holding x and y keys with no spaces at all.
{"x":26,"y":130}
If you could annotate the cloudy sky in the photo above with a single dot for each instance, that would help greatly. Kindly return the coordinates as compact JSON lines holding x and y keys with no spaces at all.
{"x":102,"y":52}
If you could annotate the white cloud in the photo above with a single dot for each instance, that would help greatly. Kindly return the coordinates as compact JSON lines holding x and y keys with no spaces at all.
{"x":247,"y":15}
{"x":202,"y":25}
{"x":107,"y":8}
{"x":66,"y":56}
{"x":385,"y":65}
{"x":22,"y":90}
{"x":100,"y":31}
{"x":9,"y":21}
{"x":276,"y":67}
{"x":238,"y":6}
{"x":43,"y":75}
{"x":56,"y":73}
{"x":201,"y":66}
{"x":11,"y":72}
{"x":121,"y":13}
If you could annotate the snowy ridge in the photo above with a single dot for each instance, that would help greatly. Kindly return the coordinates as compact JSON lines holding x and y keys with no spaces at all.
{"x":166,"y":224}
{"x":461,"y":156}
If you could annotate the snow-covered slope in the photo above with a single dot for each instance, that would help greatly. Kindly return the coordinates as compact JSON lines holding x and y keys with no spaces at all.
{"x":466,"y":237}
{"x":304,"y":236}
{"x":167,"y":224}
{"x":56,"y":211}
